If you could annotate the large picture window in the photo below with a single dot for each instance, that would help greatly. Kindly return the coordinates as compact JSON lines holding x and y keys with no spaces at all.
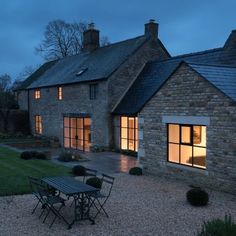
{"x":187,"y":145}
{"x":129,"y":133}
{"x":38,"y":124}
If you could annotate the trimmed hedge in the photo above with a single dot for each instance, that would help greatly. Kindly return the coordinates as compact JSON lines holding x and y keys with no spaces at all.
{"x":197,"y":197}
{"x":218,"y":227}
{"x":26,"y":155}
{"x":136,"y":171}
{"x":79,"y":170}
{"x":95,"y":182}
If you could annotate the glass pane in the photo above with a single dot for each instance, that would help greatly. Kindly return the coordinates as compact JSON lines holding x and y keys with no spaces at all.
{"x":173,"y":153}
{"x":131,"y":145}
{"x":131,"y":133}
{"x":199,"y":159}
{"x":124,"y":144}
{"x":186,"y":134}
{"x":123,"y":132}
{"x":199,"y":135}
{"x":87,"y":145}
{"x":80,"y":133}
{"x":131,"y":122}
{"x":73,"y":122}
{"x":87,"y":135}
{"x":66,"y":132}
{"x":186,"y":155}
{"x":73,"y":143}
{"x":174,"y":133}
{"x":80,"y":123}
{"x":66,"y":122}
{"x":66,"y":142}
{"x":124,"y":121}
{"x":80,"y":144}
{"x":136,"y":146}
{"x":136,"y":134}
{"x":87,"y":122}
{"x":73,"y":133}
{"x":136,"y":122}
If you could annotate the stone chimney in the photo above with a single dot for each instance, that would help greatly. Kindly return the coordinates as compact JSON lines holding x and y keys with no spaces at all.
{"x":231,"y":41}
{"x":151,"y":28}
{"x":91,"y":38}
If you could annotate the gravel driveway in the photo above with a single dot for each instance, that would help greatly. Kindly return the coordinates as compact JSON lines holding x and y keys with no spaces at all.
{"x":138,"y":206}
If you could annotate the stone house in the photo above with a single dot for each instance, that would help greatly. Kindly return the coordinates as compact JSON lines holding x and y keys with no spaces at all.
{"x":72,"y":98}
{"x":178,"y":113}
{"x":186,"y":111}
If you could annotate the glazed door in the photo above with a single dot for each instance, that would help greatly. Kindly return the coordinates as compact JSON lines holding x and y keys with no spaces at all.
{"x":77,"y":133}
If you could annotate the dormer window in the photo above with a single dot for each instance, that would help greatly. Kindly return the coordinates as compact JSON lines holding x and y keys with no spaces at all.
{"x":59,"y":93}
{"x":80,"y":72}
{"x":37,"y":94}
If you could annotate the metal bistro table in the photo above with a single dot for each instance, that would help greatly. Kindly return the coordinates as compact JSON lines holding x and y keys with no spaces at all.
{"x":76,"y":189}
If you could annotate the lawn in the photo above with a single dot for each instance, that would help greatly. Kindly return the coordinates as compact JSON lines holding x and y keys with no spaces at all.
{"x":14,"y":172}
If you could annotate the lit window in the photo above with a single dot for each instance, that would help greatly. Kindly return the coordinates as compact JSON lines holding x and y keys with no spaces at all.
{"x":93,"y":91}
{"x":129,"y":133}
{"x":37,"y":94}
{"x":38,"y":124}
{"x":59,"y":93}
{"x":187,"y":145}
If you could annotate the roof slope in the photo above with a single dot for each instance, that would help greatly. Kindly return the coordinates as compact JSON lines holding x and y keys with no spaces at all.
{"x":156,"y":73}
{"x":98,"y":64}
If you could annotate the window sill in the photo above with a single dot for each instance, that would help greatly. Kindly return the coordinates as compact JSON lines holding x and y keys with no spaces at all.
{"x":187,"y":168}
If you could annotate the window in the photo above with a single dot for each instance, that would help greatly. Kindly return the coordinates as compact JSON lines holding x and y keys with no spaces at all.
{"x":38,"y":124}
{"x":187,"y":145}
{"x":59,"y":93}
{"x":37,"y":94}
{"x":129,"y":133}
{"x":93,"y":91}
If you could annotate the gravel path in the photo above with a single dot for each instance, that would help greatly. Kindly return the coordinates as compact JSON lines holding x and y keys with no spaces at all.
{"x":138,"y":206}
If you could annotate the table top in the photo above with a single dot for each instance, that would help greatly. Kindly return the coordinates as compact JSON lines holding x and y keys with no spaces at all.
{"x":69,"y":185}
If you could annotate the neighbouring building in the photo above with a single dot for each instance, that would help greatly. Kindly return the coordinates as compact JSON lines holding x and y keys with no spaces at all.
{"x":178,"y":113}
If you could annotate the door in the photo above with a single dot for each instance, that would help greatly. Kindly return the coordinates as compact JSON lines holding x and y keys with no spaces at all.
{"x":77,"y":133}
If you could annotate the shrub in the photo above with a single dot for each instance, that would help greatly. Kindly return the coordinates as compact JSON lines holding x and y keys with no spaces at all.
{"x":197,"y":197}
{"x":41,"y":155}
{"x":26,"y":155}
{"x":79,"y":170}
{"x":136,"y":171}
{"x":65,"y":156}
{"x":95,"y":182}
{"x":218,"y":227}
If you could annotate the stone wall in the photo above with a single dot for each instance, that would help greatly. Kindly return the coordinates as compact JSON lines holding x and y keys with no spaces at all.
{"x":188,"y":94}
{"x":22,"y":99}
{"x":76,"y":99}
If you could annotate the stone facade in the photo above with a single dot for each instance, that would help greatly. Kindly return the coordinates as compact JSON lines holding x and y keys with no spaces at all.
{"x":186,"y":93}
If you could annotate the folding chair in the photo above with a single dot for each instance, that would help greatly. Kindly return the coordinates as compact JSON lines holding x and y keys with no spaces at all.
{"x":100,"y":198}
{"x":89,"y":173}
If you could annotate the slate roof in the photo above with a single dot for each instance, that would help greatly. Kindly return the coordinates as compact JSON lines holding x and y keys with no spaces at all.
{"x":99,"y":64}
{"x":156,"y":73}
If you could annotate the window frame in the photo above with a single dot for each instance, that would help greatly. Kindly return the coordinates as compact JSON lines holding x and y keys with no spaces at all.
{"x":191,"y":144}
{"x":93,"y":91}
{"x":127,"y":134}
{"x":38,"y":122}
{"x":59,"y":93}
{"x":37,"y":94}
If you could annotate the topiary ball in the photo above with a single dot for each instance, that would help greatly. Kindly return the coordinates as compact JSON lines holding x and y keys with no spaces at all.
{"x":26,"y":155}
{"x":136,"y":171}
{"x":94,"y":182}
{"x":79,"y":170}
{"x":197,"y":197}
{"x":41,"y":155}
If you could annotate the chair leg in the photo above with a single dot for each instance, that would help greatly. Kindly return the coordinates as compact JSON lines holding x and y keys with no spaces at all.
{"x":35,"y":208}
{"x":101,"y":208}
{"x":46,"y":215}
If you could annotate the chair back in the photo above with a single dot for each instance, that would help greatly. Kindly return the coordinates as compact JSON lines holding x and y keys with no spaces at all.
{"x":37,"y":187}
{"x":107,"y":182}
{"x":90,"y":172}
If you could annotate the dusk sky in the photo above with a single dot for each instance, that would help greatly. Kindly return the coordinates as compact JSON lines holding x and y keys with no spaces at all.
{"x":184,"y":25}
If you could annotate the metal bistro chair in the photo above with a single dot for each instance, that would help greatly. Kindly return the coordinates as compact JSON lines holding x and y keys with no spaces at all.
{"x":100,"y":198}
{"x":89,"y":173}
{"x":47,"y":199}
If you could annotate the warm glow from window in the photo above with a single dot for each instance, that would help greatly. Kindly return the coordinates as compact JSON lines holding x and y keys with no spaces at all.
{"x":129,"y":133}
{"x":37,"y":94}
{"x":187,"y":145}
{"x":59,"y":91}
{"x":38,"y":124}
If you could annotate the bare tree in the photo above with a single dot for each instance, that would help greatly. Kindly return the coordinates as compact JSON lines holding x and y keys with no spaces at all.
{"x":7,"y":99}
{"x":63,"y":39}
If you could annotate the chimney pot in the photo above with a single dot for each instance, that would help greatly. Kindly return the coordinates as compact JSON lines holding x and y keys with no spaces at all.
{"x":151,"y":28}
